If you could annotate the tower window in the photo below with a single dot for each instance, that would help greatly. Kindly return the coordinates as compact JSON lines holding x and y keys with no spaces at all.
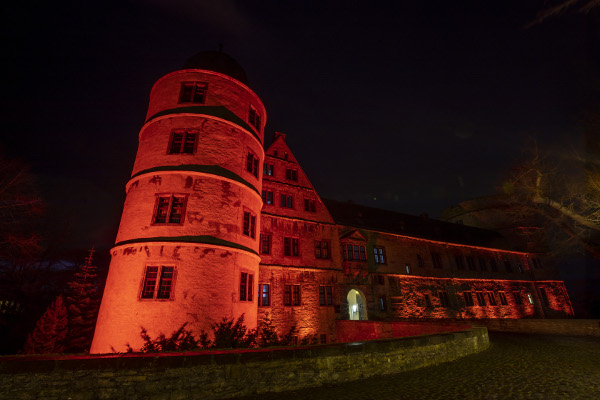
{"x":249,"y":224}
{"x":183,"y":142}
{"x":321,"y":249}
{"x":254,"y":117}
{"x":193,"y":92}
{"x":246,"y":285}
{"x":379,"y":253}
{"x":544,"y":297}
{"x":169,"y":209}
{"x":265,"y":243}
{"x":164,"y":288}
{"x":291,"y":174}
{"x":252,"y":164}
{"x":309,"y":205}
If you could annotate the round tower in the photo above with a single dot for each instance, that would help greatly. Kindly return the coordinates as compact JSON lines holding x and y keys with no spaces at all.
{"x":187,"y":246}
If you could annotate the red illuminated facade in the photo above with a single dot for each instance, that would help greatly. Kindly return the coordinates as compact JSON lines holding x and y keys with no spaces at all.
{"x":215,"y":226}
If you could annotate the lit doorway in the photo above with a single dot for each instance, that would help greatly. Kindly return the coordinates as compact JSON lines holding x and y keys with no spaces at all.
{"x":356,"y":305}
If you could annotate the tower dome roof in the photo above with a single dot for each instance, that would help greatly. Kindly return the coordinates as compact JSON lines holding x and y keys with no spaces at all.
{"x":218,"y":62}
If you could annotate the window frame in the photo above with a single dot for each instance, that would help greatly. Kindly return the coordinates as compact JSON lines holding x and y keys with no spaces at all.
{"x":293,"y":245}
{"x":322,"y":249}
{"x":193,"y":94}
{"x":252,"y":163}
{"x":310,"y":205}
{"x":267,"y":196}
{"x":160,"y":282}
{"x":246,"y":287}
{"x":182,"y":147}
{"x":379,"y":255}
{"x":291,"y":174}
{"x":254,"y":117}
{"x":261,"y":295}
{"x":169,"y":208}
{"x":265,"y":238}
{"x":249,"y":224}
{"x":286,"y":201}
{"x":268,"y":169}
{"x":354,"y":252}
{"x":325,"y":295}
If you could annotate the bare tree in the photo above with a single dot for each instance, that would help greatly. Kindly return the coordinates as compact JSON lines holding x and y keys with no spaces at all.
{"x":561,"y":192}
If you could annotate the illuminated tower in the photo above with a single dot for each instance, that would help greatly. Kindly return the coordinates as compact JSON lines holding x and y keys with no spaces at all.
{"x":187,"y":248}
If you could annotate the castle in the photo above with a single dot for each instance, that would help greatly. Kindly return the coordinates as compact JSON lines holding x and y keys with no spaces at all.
{"x":216,"y":226}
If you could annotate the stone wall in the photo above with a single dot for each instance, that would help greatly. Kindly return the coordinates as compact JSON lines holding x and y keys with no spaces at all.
{"x":569,"y":327}
{"x":224,"y":374}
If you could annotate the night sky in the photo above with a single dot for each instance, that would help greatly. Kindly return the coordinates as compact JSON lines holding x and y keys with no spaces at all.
{"x":411,"y":107}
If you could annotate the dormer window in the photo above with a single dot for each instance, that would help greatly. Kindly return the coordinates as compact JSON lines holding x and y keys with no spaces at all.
{"x":355,"y":252}
{"x":193,"y":92}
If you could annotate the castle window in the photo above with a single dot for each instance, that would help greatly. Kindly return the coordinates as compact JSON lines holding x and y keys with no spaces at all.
{"x":379,"y":254}
{"x":246,"y":286}
{"x":468,"y":296}
{"x":291,"y":247}
{"x":491,"y":298}
{"x":267,"y":196}
{"x":169,"y":209}
{"x":444,"y":299}
{"x":519,"y":268}
{"x":419,"y":261}
{"x":382,"y":303}
{"x":310,"y":205}
{"x":480,"y":298}
{"x":252,"y":164}
{"x":321,"y":249}
{"x":249,"y":224}
{"x":459,"y":262}
{"x":503,"y":300}
{"x":493,"y":265}
{"x":517,"y":298}
{"x":264,"y":292}
{"x":544,"y":297}
{"x":408,"y":269}
{"x":287,"y":201}
{"x":354,"y":252}
{"x":530,"y":298}
{"x":507,"y":266}
{"x":291,"y":295}
{"x":267,"y":169}
{"x":471,"y":263}
{"x":291,"y":174}
{"x":183,"y":142}
{"x":193,"y":92}
{"x":265,"y":243}
{"x":254,"y":117}
{"x":437,"y":261}
{"x":165,"y":283}
{"x":325,"y":295}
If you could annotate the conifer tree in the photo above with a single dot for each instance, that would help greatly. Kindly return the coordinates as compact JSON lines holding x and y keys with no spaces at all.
{"x":82,"y":303}
{"x":50,"y":332}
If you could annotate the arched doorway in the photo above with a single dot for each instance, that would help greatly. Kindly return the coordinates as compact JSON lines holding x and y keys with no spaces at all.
{"x":357,"y":305}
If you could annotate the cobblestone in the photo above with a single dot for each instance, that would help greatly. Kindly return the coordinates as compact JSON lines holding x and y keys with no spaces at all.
{"x":516,"y":366}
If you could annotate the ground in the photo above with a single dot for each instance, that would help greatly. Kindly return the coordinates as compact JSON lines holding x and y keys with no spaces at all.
{"x":516,"y":366}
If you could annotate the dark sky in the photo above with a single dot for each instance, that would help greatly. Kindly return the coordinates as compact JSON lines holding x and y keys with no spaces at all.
{"x":410,"y":106}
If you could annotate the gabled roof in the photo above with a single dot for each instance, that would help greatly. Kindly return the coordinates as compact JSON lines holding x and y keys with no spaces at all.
{"x":301,"y":188}
{"x":375,"y":219}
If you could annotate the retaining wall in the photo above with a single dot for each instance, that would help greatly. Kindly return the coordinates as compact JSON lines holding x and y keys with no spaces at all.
{"x":224,"y":374}
{"x":569,"y":327}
